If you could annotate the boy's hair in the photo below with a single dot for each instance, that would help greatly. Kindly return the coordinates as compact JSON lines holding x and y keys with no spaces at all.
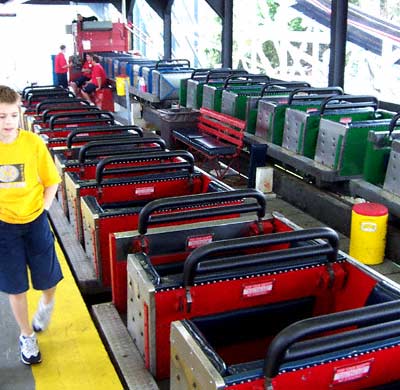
{"x":62,"y":47}
{"x":8,"y":95}
{"x":95,"y":58}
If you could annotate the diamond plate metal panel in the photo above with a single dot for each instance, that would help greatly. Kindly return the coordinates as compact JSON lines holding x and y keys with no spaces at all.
{"x":264,"y":120}
{"x":228,"y":102}
{"x":293,"y":132}
{"x":91,"y":237}
{"x":141,"y":294}
{"x":191,"y":93}
{"x":190,"y":367}
{"x":209,"y":97}
{"x":73,"y":206}
{"x":330,"y":143}
{"x":392,"y":178}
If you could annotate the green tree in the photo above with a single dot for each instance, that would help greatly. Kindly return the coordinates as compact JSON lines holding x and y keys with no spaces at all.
{"x":295,"y":25}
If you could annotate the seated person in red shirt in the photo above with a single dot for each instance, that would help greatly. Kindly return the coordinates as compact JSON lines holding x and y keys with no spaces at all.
{"x":97,"y":81}
{"x":85,"y":76}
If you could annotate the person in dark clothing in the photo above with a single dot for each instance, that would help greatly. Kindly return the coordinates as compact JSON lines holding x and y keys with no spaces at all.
{"x":61,"y":68}
{"x":80,"y":19}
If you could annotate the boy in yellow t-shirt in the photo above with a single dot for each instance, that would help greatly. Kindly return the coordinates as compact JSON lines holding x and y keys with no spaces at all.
{"x":28,"y":184}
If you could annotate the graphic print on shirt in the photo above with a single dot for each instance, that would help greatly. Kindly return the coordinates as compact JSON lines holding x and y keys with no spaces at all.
{"x":12,"y":176}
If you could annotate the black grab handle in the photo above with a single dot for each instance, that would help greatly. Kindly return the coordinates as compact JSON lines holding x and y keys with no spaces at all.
{"x":181,"y":202}
{"x":45,"y":91}
{"x":205,"y":72}
{"x":53,"y":103}
{"x":32,"y":87}
{"x":349,"y":101}
{"x":93,"y":118}
{"x":199,"y":72}
{"x":113,"y":144}
{"x":49,"y":112}
{"x":313,"y":93}
{"x":203,"y":253}
{"x":181,"y":62}
{"x":62,"y":93}
{"x":284,"y":86}
{"x":185,"y":155}
{"x":74,"y":136}
{"x":102,"y":114}
{"x":378,"y":313}
{"x":249,"y":78}
{"x":393,"y":124}
{"x":219,"y":74}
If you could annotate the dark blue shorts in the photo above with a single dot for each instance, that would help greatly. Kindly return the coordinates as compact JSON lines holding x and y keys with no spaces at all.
{"x":23,"y":246}
{"x":81,"y":80}
{"x":89,"y":88}
{"x":62,"y":79}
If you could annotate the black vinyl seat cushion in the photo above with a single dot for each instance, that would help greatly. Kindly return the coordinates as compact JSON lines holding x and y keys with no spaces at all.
{"x":186,"y":135}
{"x":213,"y":146}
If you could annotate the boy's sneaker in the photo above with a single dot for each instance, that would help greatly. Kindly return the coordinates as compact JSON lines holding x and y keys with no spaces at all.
{"x":42,"y":316}
{"x":30,"y":353}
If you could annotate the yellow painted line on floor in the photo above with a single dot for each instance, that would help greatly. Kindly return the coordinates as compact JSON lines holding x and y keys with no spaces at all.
{"x":73,"y":355}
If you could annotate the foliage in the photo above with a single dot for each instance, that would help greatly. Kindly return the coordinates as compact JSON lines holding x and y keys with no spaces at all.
{"x":270,"y":52}
{"x":273,"y":8}
{"x":213,"y":55}
{"x":295,"y":25}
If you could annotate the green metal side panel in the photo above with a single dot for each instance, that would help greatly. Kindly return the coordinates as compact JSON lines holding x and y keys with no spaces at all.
{"x":355,"y":150}
{"x":234,"y":100}
{"x":311,"y":129}
{"x":251,"y":117}
{"x":241,"y":102}
{"x":183,"y":92}
{"x":375,"y":163}
{"x":218,"y":100}
{"x":199,"y":95}
{"x":199,"y":89}
{"x":278,"y":123}
{"x":251,"y":121}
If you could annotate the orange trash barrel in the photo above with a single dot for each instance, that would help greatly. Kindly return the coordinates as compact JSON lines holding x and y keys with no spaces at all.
{"x":368,"y":232}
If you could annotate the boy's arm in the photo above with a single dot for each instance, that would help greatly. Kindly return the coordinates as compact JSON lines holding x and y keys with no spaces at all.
{"x":48,"y":196}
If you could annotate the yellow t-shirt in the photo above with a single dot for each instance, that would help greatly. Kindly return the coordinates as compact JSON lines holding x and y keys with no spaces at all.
{"x":26,"y":168}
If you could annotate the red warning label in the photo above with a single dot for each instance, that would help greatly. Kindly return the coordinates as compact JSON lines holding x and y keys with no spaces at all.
{"x":197,"y":241}
{"x":143,"y":191}
{"x":351,"y":373}
{"x":254,"y":290}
